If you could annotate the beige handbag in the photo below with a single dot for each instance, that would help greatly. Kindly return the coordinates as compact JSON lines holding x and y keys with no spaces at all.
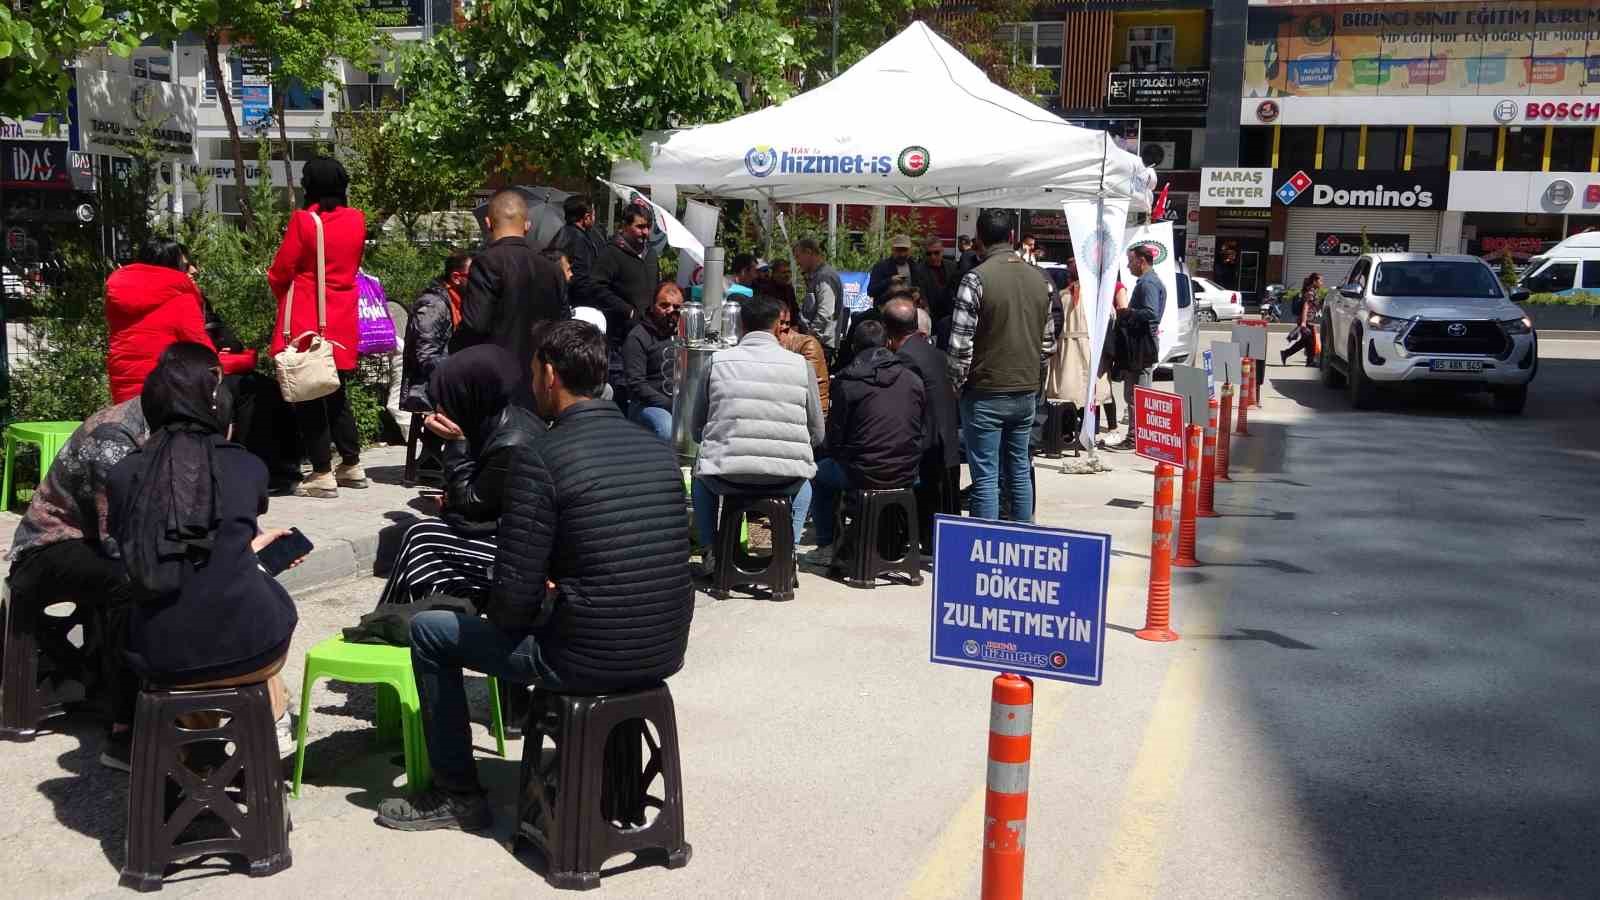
{"x":310,"y":373}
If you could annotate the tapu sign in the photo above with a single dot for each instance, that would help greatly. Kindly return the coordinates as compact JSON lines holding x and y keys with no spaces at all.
{"x":1019,"y":598}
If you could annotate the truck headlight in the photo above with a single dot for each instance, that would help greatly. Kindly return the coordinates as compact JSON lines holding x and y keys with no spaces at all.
{"x":1385,"y":323}
{"x":1523,"y":325}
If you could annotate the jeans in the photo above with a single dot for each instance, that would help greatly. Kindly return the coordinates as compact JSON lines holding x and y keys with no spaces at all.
{"x":706,"y":491}
{"x":996,"y":428}
{"x":655,"y":418}
{"x":830,"y":481}
{"x":1129,"y":382}
{"x":442,"y":644}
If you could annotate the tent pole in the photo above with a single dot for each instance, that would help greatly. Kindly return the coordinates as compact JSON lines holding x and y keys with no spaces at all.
{"x":833,"y":229}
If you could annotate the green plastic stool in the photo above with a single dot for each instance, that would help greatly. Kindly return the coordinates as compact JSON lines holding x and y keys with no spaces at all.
{"x":49,"y":436}
{"x":389,"y":667}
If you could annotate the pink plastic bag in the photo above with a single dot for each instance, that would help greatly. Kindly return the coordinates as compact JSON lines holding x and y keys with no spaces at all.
{"x":375,"y":328}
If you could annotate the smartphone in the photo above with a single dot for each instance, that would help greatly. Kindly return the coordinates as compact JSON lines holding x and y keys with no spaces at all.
{"x":278,"y":555}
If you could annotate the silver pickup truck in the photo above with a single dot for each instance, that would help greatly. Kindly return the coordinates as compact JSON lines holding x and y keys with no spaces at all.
{"x":1427,"y":317}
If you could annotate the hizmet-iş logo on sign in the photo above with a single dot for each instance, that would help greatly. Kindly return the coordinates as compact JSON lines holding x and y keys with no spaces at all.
{"x":760,"y":161}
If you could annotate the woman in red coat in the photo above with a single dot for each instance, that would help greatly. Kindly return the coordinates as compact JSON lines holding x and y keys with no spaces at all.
{"x":326,"y":421}
{"x":150,"y":305}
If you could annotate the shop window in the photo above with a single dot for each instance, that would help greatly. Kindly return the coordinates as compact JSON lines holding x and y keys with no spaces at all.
{"x":1479,"y":150}
{"x":1386,"y":149}
{"x":1591,"y":275}
{"x":1430,"y":148}
{"x":1297,"y":148}
{"x":1255,"y":146}
{"x":1340,"y":148}
{"x":1037,"y":44}
{"x":1150,"y":48}
{"x":1571,"y":149}
{"x":1524,"y":149}
{"x":152,"y":66}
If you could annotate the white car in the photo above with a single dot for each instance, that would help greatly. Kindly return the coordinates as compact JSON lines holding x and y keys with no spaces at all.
{"x":1213,"y":303}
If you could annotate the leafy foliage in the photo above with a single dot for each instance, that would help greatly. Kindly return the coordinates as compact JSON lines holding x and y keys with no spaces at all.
{"x":564,"y":89}
{"x":1508,"y":269}
{"x":390,"y":177}
{"x":1576,"y":298}
{"x":38,"y":39}
{"x":975,"y":30}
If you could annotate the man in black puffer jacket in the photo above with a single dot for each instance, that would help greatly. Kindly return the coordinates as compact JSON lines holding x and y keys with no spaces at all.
{"x":592,"y":590}
{"x":875,"y":430}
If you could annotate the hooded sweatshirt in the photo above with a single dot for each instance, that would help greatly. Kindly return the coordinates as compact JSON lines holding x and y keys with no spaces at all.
{"x":148,"y":309}
{"x":875,"y":428}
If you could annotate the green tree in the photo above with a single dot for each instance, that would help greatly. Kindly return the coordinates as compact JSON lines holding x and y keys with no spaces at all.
{"x":300,"y":39}
{"x":977,"y":30}
{"x":564,"y":89}
{"x":391,"y":177}
{"x":1508,"y":269}
{"x":38,"y":39}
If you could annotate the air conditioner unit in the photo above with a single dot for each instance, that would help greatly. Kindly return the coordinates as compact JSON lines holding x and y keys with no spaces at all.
{"x":1159,"y":154}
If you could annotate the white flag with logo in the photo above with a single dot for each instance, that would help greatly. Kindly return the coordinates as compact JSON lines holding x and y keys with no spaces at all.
{"x":701,"y":220}
{"x":1159,"y":237}
{"x":1095,"y":226}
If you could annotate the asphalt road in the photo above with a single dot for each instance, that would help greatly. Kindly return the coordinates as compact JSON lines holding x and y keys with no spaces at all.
{"x":1385,"y":688}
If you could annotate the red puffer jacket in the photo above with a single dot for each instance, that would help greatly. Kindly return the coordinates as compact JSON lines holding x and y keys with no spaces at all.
{"x":344,"y":239}
{"x":148,"y":308}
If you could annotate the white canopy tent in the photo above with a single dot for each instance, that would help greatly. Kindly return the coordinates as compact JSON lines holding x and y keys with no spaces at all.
{"x":913,"y":123}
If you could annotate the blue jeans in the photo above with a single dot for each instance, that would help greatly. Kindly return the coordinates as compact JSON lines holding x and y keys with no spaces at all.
{"x":831,"y":480}
{"x":443,"y":643}
{"x":705,"y":496}
{"x":996,"y":428}
{"x":655,"y":418}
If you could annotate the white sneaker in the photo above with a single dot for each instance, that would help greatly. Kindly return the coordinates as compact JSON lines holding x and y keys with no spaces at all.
{"x":285,"y":729}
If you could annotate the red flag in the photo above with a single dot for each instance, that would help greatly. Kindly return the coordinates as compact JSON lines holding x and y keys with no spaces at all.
{"x":1160,"y":208}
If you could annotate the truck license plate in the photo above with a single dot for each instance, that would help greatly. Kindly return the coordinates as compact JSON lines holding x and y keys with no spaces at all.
{"x":1456,"y":365}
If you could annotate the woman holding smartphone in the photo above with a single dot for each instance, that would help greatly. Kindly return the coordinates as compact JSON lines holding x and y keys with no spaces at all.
{"x":183,"y":511}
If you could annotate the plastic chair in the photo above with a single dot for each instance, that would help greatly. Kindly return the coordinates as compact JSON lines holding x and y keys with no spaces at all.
{"x":736,"y":565}
{"x":863,"y":532}
{"x":50,"y":438}
{"x":390,"y":667}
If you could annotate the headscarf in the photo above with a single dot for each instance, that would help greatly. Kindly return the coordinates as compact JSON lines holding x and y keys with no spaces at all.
{"x":171,"y":516}
{"x":325,"y":183}
{"x":473,"y":387}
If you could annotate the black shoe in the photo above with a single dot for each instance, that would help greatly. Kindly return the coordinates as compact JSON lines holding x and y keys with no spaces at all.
{"x":1283,"y":358}
{"x":436,"y":808}
{"x":117,"y":751}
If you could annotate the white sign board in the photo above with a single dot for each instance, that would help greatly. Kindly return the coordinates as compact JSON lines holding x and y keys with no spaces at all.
{"x":1239,"y":188}
{"x":1225,"y":356}
{"x":1252,"y":339}
{"x":1190,"y":383}
{"x":113,"y":108}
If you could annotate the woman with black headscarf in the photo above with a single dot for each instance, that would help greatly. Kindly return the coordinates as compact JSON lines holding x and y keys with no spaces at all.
{"x":480,"y":390}
{"x":183,"y":512}
{"x":327,"y":422}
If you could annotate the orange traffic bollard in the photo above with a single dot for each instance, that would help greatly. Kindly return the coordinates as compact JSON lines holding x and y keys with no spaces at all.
{"x":1223,"y":441}
{"x":1191,"y":498}
{"x":1158,"y":610}
{"x":1208,"y":465}
{"x":1247,"y":384}
{"x":1005,"y":808}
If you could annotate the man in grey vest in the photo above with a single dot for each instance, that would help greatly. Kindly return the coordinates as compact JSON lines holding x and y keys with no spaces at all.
{"x":1000,"y":336}
{"x":824,"y":301}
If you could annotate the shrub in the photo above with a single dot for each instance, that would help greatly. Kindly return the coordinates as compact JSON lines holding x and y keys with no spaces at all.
{"x":1577,"y":298}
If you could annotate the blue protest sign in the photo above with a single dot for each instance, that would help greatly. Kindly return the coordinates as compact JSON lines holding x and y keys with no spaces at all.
{"x":1211,"y":375}
{"x":855,"y":291}
{"x":1019,"y":598}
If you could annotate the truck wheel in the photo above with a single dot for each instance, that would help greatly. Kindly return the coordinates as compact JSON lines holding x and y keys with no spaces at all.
{"x":1511,"y":400}
{"x":1363,"y":393}
{"x":1330,"y":376}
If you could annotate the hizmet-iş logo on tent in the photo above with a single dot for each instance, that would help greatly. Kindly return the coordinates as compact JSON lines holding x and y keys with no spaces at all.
{"x":762,"y":161}
{"x":914,"y":162}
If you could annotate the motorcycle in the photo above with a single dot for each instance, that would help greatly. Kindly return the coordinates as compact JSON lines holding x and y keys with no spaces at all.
{"x":1273,"y":308}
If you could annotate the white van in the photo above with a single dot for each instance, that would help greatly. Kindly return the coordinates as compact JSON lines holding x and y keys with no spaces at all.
{"x":1572,"y":265}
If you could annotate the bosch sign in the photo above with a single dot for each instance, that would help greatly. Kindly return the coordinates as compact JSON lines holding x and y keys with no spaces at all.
{"x":1561,"y":112}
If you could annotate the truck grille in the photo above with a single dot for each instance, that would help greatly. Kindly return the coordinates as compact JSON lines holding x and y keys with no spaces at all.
{"x":1480,"y":338}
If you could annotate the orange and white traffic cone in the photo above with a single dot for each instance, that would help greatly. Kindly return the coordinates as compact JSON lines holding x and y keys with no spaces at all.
{"x":1247,"y":385}
{"x":1191,"y":498}
{"x":1158,"y":607}
{"x":1005,"y":807}
{"x":1207,"y":508}
{"x":1223,"y":441}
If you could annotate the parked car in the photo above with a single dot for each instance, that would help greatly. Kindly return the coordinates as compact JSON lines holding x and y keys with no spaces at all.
{"x":1214,"y":303}
{"x":1415,"y":317}
{"x":1188,"y":344}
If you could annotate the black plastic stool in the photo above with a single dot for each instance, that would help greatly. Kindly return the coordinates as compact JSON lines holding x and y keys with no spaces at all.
{"x":864,"y":546}
{"x":586,"y":801}
{"x":416,"y":444}
{"x":1055,"y":428}
{"x":244,"y":792}
{"x":736,"y":565}
{"x":27,"y":696}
